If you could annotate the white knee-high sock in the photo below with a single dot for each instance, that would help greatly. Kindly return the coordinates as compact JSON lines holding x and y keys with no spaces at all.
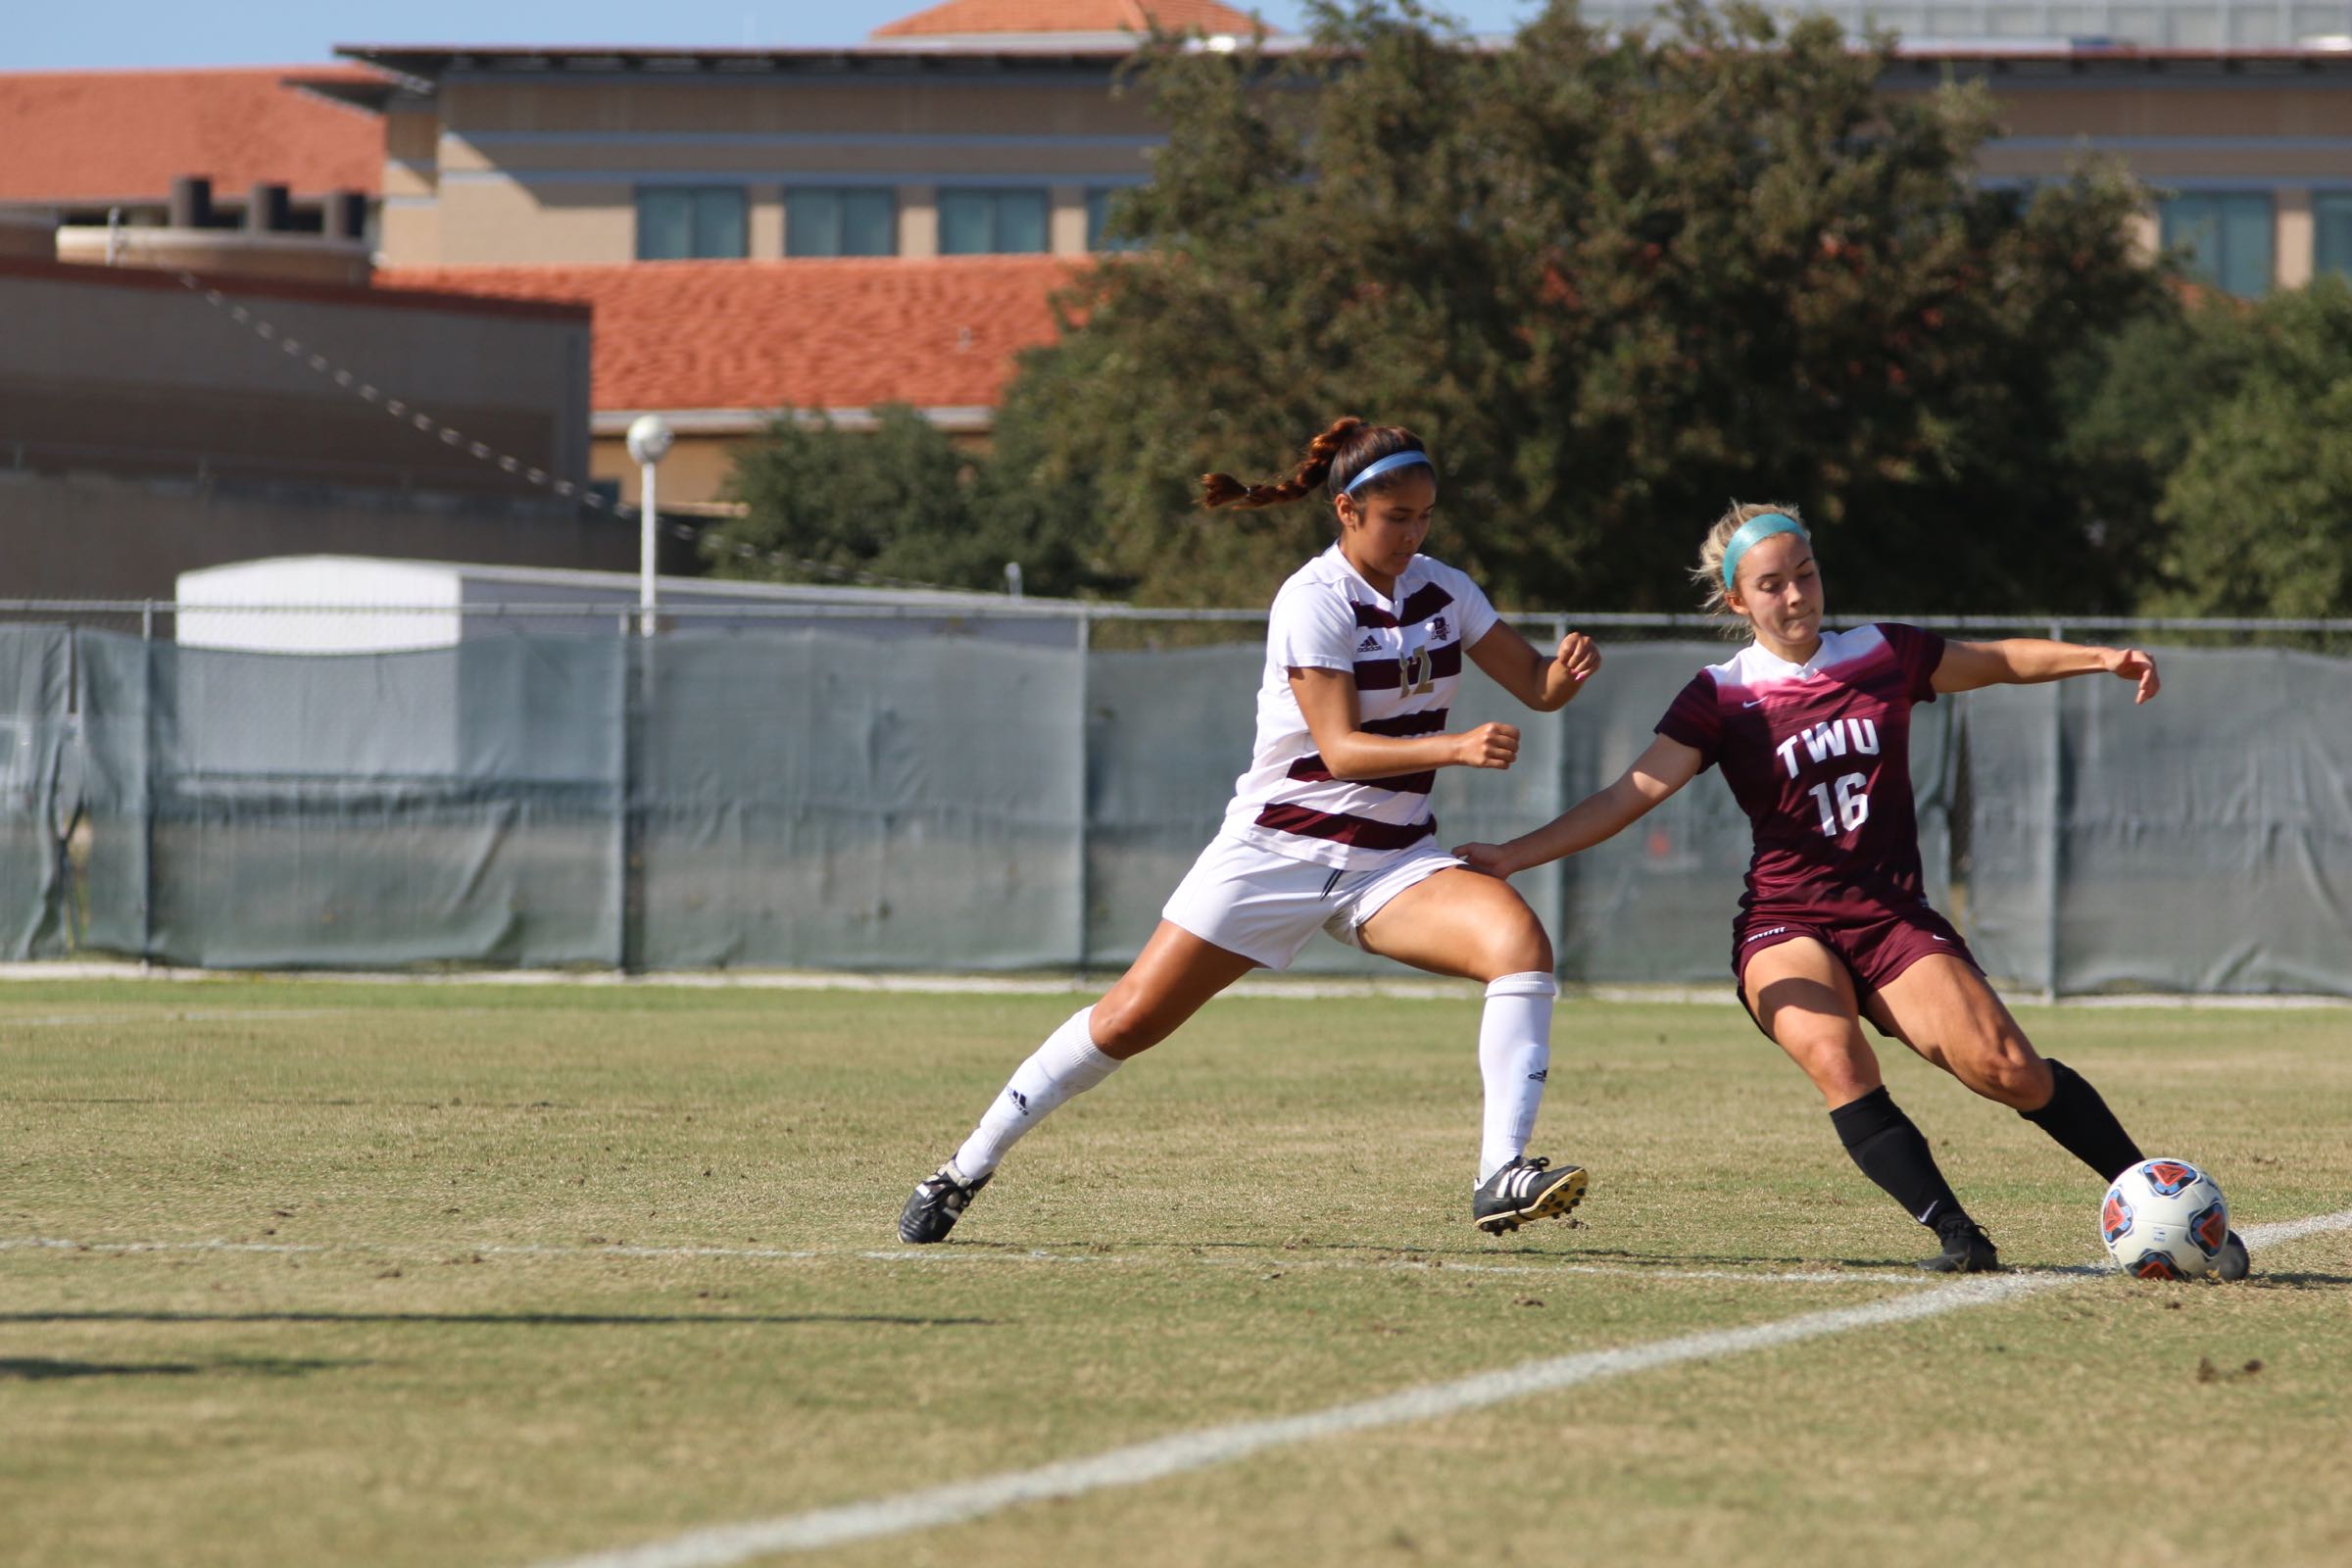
{"x":1514,"y":1056}
{"x":1066,"y":1065}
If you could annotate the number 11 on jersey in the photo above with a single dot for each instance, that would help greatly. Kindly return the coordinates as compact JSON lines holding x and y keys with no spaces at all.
{"x":1847,"y":809}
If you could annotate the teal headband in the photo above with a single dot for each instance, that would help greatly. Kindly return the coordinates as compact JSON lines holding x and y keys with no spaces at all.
{"x":1755,"y":530}
{"x":1394,"y":460}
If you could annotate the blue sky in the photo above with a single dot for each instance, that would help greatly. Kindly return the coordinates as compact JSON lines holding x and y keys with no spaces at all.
{"x":60,"y":36}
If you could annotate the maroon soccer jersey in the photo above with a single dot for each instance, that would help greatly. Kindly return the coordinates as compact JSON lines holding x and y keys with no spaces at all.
{"x":1819,"y":756}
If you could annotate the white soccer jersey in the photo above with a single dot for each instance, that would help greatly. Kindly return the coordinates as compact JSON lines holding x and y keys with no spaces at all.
{"x":1405,"y":653}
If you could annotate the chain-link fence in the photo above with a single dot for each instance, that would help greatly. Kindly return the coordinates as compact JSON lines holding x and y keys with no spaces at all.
{"x":1017,"y":786}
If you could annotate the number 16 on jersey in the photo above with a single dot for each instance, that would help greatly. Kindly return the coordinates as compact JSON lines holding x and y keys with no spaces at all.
{"x":1844,"y":805}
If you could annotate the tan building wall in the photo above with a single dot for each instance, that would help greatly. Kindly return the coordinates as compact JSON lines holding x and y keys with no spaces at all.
{"x":540,"y":173}
{"x":500,"y":169}
{"x":696,"y":469}
{"x":2278,"y":128}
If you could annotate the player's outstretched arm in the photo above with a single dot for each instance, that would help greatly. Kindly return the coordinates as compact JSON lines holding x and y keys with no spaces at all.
{"x":1656,"y":773}
{"x":2028,"y":660}
{"x":1327,"y":701}
{"x":1546,"y":685}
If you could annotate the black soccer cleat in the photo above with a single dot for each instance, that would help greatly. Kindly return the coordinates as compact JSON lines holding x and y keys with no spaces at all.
{"x":937,"y":1202}
{"x":1524,"y":1190}
{"x":1967,"y":1250}
{"x":2233,"y":1265}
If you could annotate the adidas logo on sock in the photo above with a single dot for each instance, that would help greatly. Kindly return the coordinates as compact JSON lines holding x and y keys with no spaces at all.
{"x":1539,"y":1075}
{"x":1018,"y":1099}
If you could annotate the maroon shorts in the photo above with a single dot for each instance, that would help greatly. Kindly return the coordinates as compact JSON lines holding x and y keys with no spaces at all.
{"x":1874,"y":951}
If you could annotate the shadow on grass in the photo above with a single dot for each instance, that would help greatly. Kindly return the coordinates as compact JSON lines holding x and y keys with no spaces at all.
{"x":46,"y":1369}
{"x":2297,"y":1281}
{"x":510,"y":1319}
{"x":1521,"y":1251}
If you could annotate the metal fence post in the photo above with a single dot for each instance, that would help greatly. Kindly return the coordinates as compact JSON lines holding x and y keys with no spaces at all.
{"x":1562,"y":869}
{"x":625,"y":780}
{"x":1085,"y":771}
{"x":147,"y":786}
{"x":2052,"y":866}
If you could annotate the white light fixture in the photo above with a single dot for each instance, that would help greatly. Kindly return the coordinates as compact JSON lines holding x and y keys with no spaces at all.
{"x":649,"y":441}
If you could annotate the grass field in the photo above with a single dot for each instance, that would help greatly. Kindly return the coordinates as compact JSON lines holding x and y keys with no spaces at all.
{"x":501,"y":1276}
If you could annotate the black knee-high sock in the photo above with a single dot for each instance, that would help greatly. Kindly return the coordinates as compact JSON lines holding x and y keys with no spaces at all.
{"x":2079,"y":1122}
{"x":1892,"y":1151}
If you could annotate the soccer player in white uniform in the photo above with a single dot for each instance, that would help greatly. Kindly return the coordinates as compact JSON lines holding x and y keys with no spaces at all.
{"x":1329,"y":829}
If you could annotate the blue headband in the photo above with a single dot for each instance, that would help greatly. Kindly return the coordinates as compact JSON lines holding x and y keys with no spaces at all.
{"x":1755,"y":530}
{"x":1396,"y":459}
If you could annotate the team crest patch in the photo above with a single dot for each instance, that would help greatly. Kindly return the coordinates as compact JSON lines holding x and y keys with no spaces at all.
{"x":2209,"y":1228}
{"x":2167,"y":1177}
{"x":2155,"y":1266}
{"x":2115,"y":1218}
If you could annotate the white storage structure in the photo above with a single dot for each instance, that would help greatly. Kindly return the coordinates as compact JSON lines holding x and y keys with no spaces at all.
{"x":356,"y":604}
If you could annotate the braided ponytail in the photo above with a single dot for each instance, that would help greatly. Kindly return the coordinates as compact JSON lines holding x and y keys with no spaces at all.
{"x":1332,"y":459}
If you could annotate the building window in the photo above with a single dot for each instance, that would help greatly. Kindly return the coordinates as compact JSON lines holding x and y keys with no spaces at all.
{"x":992,"y":222}
{"x":678,"y":222}
{"x":2332,"y":232}
{"x":1098,"y":218}
{"x":840,"y":222}
{"x":2227,"y":235}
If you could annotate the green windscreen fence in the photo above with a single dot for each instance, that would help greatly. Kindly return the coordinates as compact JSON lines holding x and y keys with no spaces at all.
{"x":829,"y":799}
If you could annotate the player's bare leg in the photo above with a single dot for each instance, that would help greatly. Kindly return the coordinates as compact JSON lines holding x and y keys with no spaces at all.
{"x":1464,"y":923}
{"x":1804,"y":999}
{"x":1944,"y":1009}
{"x":1175,"y":974}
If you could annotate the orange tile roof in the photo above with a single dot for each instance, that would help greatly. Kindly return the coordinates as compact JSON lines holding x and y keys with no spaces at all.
{"x":804,"y":334}
{"x":89,"y":137}
{"x":958,"y":17}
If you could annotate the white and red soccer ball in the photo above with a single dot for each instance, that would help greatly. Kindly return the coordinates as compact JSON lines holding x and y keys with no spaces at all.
{"x":2165,"y":1219}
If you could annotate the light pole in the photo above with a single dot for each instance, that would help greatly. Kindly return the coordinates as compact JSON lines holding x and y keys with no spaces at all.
{"x":650,"y":440}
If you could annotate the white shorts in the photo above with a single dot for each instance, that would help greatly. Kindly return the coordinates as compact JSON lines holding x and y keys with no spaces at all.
{"x":1266,"y":907}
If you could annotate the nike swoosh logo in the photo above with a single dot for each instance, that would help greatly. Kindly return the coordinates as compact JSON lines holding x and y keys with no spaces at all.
{"x":1759,"y":702}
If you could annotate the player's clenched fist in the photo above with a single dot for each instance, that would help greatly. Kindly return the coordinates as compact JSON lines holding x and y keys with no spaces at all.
{"x":1579,"y":655}
{"x":1489,"y":746}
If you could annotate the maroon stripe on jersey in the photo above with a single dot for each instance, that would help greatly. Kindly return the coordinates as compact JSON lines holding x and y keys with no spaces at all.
{"x":1423,"y":602}
{"x":1387,"y":674}
{"x":1427,"y":723}
{"x":1309,"y":769}
{"x":1360,"y":831}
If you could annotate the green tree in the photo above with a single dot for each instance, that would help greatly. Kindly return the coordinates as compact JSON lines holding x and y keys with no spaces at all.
{"x":823,"y":504}
{"x":1614,"y":282}
{"x":2241,"y":419}
{"x":900,"y":502}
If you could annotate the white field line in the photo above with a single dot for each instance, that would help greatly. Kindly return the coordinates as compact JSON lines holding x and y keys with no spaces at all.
{"x":1184,"y":1451}
{"x":1276,"y":1263}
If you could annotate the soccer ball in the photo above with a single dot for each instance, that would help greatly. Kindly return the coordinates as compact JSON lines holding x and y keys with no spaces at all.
{"x":2165,"y":1219}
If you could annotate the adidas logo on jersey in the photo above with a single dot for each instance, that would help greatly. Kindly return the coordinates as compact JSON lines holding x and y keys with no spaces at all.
{"x":1370,"y":645}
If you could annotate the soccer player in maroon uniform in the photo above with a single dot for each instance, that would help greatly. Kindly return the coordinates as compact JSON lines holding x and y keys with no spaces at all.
{"x":1812,"y":729}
